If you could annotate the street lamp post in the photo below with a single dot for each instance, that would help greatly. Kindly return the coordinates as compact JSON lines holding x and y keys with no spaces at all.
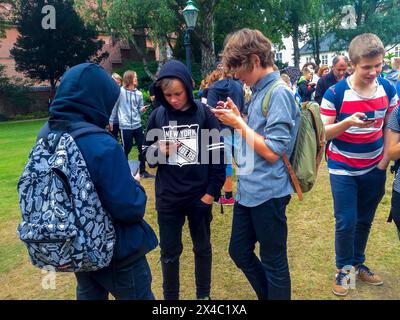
{"x":190,"y":14}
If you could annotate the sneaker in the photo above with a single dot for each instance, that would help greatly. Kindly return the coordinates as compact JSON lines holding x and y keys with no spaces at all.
{"x":226,"y":202}
{"x":366,"y":275}
{"x":204,"y":298}
{"x":146,"y":175}
{"x":340,"y":285}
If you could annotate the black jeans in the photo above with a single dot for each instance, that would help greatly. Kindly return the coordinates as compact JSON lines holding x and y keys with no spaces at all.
{"x":127,"y":142}
{"x":266,"y":223}
{"x":170,"y":226}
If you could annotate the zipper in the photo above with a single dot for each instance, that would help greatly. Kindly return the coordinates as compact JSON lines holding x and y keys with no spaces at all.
{"x":48,"y":241}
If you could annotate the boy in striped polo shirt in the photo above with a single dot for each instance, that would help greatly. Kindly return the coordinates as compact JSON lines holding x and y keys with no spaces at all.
{"x":354,"y":112}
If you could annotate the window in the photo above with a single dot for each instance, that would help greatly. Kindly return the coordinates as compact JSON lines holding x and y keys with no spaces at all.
{"x":278,"y":56}
{"x":324,"y":59}
{"x":308,"y":59}
{"x":397,"y":51}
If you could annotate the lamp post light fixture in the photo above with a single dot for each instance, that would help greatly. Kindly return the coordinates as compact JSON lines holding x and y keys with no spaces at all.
{"x":190,"y":14}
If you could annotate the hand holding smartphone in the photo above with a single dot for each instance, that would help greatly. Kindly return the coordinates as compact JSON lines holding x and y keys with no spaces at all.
{"x":168,"y":146}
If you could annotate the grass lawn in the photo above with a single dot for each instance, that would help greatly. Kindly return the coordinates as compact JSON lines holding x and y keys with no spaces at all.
{"x":310,"y":245}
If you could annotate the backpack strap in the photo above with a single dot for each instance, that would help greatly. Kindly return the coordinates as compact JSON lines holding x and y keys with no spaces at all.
{"x":265,"y":108}
{"x":75,"y":129}
{"x":267,"y":97}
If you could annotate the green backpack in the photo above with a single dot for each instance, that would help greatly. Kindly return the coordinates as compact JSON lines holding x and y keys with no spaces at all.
{"x":309,"y":146}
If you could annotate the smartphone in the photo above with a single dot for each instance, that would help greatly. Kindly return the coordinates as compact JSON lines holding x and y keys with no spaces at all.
{"x":134,"y":166}
{"x":367,"y":119}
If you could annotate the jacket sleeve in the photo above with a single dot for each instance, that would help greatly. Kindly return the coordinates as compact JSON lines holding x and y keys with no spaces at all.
{"x":280,"y":123}
{"x":114,"y":113}
{"x":120,"y":194}
{"x":141,"y":102}
{"x":216,"y":172}
{"x":303,"y":90}
{"x":212,"y":97}
{"x":320,"y":90}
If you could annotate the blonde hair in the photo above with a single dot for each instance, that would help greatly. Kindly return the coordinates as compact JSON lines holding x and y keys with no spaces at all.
{"x":166,"y":83}
{"x":129,"y":76}
{"x":116,"y":76}
{"x":366,"y":45}
{"x":242,"y":44}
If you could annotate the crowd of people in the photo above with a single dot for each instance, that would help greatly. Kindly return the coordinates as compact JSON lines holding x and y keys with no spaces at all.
{"x":359,"y":108}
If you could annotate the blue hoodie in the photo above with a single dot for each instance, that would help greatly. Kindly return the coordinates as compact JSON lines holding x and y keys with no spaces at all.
{"x":393,"y":78}
{"x":87,"y":93}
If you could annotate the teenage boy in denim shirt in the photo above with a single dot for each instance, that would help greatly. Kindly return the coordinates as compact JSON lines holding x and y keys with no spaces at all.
{"x":264,"y":190}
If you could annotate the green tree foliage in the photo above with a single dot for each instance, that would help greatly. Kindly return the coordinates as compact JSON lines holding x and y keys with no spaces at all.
{"x":381,"y":17}
{"x":45,"y":54}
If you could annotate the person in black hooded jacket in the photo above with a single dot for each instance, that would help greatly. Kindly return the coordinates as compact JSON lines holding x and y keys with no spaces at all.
{"x":88,"y":94}
{"x":221,"y":86}
{"x":187,"y":182}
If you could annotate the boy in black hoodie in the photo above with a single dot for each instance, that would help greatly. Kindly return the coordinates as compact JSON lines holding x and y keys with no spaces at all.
{"x":187,"y":182}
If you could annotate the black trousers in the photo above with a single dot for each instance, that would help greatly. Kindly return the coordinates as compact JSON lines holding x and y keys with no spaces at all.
{"x":128,"y":136}
{"x":170,"y":227}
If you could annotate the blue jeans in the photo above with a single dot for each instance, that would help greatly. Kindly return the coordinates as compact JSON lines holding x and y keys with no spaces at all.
{"x":129,"y":283}
{"x":266,"y":224}
{"x":355,"y":201}
{"x":170,"y":227}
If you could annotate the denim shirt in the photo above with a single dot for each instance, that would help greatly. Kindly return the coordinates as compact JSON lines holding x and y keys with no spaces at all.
{"x":258,"y":179}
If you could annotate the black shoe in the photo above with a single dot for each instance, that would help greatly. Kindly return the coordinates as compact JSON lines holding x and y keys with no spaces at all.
{"x":146,"y":175}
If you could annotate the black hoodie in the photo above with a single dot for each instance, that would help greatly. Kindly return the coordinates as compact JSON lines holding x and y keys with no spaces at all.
{"x":183,"y":180}
{"x":222,"y":89}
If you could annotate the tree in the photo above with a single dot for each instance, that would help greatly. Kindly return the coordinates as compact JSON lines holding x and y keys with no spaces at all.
{"x":296,"y":14}
{"x":232,"y":15}
{"x":45,"y":54}
{"x":316,"y":27}
{"x":156,"y":19}
{"x":381,"y":17}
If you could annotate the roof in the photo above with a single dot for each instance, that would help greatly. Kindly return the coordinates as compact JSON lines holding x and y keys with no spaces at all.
{"x":328,"y":43}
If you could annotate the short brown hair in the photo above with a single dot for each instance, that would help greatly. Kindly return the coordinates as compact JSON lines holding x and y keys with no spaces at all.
{"x":242,"y":44}
{"x":366,"y":45}
{"x":128,"y":77}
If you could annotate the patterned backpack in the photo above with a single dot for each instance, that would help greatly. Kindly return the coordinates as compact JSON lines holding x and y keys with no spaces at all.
{"x":64,"y":225}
